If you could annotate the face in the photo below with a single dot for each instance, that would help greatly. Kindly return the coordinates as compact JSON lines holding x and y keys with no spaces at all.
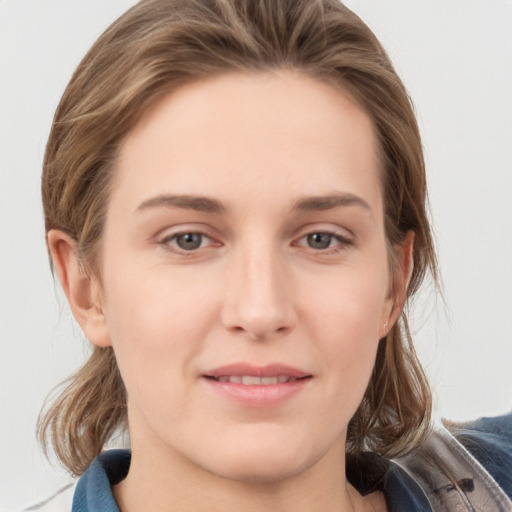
{"x":244,"y":273}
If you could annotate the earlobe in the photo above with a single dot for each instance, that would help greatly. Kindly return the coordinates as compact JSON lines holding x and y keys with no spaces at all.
{"x":402,"y":273}
{"x":81,"y":289}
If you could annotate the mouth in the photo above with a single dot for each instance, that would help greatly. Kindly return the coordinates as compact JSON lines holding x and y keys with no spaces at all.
{"x":257,"y":386}
{"x":254,"y":380}
{"x":251,"y":375}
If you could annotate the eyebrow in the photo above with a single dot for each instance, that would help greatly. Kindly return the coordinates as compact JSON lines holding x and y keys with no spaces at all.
{"x":197,"y":203}
{"x":329,"y":202}
{"x":209,"y":205}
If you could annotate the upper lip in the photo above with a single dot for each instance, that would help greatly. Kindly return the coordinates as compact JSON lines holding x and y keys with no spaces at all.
{"x":270,"y":370}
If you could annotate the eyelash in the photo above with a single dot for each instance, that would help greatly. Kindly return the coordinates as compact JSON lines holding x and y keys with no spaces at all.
{"x":167,"y":242}
{"x":342,"y":242}
{"x":170,"y":242}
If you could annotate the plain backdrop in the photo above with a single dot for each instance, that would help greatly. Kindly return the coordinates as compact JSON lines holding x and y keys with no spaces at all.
{"x":455,"y":57}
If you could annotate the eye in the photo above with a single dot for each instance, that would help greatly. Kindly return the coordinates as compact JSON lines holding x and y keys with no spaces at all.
{"x":319,"y":240}
{"x":190,"y":241}
{"x":324,"y":241}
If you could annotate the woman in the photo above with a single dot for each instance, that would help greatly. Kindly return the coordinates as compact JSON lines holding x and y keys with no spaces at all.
{"x":234,"y":197}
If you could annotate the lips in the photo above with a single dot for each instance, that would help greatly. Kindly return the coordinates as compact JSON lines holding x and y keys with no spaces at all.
{"x":248,"y":370}
{"x":253,"y":380}
{"x":257,"y":386}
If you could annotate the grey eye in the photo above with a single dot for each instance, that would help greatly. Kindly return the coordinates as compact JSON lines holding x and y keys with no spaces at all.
{"x":319,"y":240}
{"x":189,"y":241}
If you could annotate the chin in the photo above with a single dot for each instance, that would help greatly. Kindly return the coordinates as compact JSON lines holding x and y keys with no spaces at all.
{"x":262,"y":472}
{"x":260,"y":463}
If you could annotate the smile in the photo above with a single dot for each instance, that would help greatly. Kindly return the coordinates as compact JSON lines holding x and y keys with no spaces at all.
{"x":252,"y":380}
{"x":250,"y":386}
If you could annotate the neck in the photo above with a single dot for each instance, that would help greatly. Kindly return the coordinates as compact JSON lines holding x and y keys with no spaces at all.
{"x":156,"y":482}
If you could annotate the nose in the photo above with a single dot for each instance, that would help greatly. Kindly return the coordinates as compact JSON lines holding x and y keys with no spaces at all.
{"x":259,"y":297}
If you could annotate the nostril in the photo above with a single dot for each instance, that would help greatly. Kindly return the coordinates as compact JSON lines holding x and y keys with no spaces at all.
{"x":258,"y":319}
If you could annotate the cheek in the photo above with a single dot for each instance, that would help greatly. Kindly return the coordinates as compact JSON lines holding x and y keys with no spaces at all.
{"x":345,"y":321}
{"x":158,"y":301}
{"x":157,"y":324}
{"x":348,"y":305}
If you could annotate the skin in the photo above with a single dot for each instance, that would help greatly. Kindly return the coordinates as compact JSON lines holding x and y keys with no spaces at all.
{"x":276,"y":277}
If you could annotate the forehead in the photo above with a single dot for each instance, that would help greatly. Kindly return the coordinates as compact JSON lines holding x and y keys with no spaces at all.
{"x":281,"y":127}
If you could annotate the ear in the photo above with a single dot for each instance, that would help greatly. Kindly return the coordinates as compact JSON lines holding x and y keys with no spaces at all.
{"x":402,"y":273}
{"x":82,"y":290}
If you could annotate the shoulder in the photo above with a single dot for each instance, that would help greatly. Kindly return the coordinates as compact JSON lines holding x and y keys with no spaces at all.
{"x":92,"y":491}
{"x":489,"y":440}
{"x":59,"y":501}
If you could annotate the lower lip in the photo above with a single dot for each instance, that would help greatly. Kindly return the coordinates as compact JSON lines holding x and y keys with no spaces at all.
{"x":269,"y":395}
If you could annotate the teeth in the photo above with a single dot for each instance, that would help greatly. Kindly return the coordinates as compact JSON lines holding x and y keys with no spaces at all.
{"x":248,"y":380}
{"x":251,"y":380}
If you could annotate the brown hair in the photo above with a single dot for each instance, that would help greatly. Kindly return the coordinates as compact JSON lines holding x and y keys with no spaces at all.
{"x":149,"y":51}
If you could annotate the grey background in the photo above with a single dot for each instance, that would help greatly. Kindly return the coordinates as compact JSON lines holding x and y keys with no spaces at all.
{"x":455,"y":57}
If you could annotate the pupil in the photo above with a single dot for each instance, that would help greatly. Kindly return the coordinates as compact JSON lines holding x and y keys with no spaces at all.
{"x":189,"y":241}
{"x":319,"y":240}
